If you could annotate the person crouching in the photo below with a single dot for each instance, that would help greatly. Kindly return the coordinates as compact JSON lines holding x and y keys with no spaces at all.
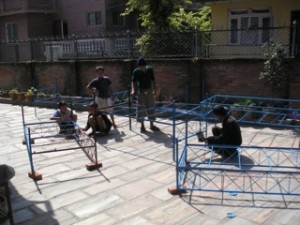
{"x":97,"y":120}
{"x":228,"y":134}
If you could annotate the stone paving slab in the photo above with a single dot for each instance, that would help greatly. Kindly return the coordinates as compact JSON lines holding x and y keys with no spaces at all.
{"x":131,"y":187}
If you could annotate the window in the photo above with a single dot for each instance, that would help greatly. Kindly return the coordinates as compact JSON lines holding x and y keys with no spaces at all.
{"x":11,"y":31}
{"x":60,"y":28}
{"x":250,"y":27}
{"x":94,"y":18}
{"x":117,"y":19}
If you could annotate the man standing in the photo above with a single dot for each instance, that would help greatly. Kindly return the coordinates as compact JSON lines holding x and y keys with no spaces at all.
{"x":228,"y":134}
{"x":102,"y":84}
{"x":143,"y":85}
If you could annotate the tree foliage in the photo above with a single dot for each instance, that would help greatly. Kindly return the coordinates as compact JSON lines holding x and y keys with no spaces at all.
{"x":182,"y":19}
{"x":165,"y":14}
{"x":163,"y":21}
{"x":275,"y":70}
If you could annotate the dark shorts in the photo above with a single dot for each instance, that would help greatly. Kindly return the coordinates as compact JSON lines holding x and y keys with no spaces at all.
{"x":67,"y":127}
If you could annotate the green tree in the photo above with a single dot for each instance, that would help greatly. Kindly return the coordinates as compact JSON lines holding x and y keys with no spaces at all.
{"x":275,"y":69}
{"x":183,"y":20}
{"x":166,"y":23}
{"x":153,"y":14}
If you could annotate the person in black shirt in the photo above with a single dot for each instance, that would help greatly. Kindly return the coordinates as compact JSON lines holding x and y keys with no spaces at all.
{"x":102,"y":85}
{"x":143,"y":85}
{"x":97,"y":120}
{"x":228,"y":134}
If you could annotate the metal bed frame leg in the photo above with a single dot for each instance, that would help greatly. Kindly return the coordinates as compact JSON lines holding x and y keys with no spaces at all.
{"x":95,"y":164}
{"x":33,"y":174}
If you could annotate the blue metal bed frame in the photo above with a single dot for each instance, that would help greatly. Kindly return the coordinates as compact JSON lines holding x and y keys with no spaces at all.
{"x":273,"y":170}
{"x":193,"y":172}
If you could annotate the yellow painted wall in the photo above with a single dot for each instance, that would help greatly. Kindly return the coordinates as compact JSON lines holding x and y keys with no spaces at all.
{"x":281,"y":10}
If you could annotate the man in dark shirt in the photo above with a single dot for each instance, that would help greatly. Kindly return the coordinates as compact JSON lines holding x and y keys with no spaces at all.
{"x":102,"y":84}
{"x":143,"y":85}
{"x":228,"y":134}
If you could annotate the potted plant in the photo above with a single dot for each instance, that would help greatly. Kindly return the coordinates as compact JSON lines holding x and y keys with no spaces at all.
{"x":40,"y":95}
{"x":241,"y":107}
{"x":49,"y":96}
{"x":3,"y":93}
{"x":13,"y":93}
{"x":20,"y":96}
{"x":29,"y":94}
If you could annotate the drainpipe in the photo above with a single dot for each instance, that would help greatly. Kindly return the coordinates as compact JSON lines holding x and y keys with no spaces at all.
{"x":32,"y":66}
{"x":294,"y":38}
{"x":76,"y":67}
{"x":196,"y":43}
{"x":204,"y":94}
{"x":62,"y":29}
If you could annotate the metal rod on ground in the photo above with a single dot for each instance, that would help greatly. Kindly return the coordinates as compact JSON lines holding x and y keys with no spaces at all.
{"x":129,"y":106}
{"x":28,"y":143}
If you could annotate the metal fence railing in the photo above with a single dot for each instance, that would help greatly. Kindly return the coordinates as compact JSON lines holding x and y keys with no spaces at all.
{"x":126,"y":45}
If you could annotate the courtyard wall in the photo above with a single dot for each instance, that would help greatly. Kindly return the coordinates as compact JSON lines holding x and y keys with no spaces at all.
{"x":181,"y":79}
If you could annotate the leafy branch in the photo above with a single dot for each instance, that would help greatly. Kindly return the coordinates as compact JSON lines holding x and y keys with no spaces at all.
{"x":275,"y":70}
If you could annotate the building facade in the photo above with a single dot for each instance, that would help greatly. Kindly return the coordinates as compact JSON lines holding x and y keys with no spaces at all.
{"x":23,"y":19}
{"x":27,"y":19}
{"x":247,"y":25}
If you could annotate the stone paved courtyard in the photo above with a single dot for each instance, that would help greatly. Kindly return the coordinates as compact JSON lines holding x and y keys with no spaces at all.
{"x":131,"y":187}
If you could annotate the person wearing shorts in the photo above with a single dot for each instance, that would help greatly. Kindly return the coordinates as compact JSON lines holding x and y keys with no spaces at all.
{"x":102,"y":86}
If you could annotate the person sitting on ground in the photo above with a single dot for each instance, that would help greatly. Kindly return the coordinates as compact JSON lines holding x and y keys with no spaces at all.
{"x":97,"y":120}
{"x":65,"y":118}
{"x":228,"y":134}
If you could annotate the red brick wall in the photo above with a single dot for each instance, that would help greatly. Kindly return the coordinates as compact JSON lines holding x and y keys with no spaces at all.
{"x":48,"y":74}
{"x":177,"y":78}
{"x":14,"y":76}
{"x":172,"y":77}
{"x":235,"y":77}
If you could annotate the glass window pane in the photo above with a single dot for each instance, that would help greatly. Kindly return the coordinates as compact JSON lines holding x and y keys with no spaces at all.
{"x":11,"y":31}
{"x":249,"y":34}
{"x":234,"y":31}
{"x":260,"y":11}
{"x":266,"y":24}
{"x":98,"y":18}
{"x":117,"y":18}
{"x":244,"y":23}
{"x":254,"y":23}
{"x":94,"y":18}
{"x":239,"y":12}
